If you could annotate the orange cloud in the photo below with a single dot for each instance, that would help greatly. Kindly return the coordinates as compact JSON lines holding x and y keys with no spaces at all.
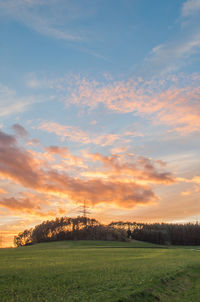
{"x":186,"y":193}
{"x":36,"y":205}
{"x":196,"y":179}
{"x":33,"y":142}
{"x":68,"y":161}
{"x":22,"y":204}
{"x":62,"y":151}
{"x":2,"y":191}
{"x":139,"y":169}
{"x":17,"y":164}
{"x":21,"y":166}
{"x":98,"y":191}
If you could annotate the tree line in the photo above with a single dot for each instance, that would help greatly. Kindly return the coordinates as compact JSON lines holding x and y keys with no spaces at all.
{"x":175,"y":234}
{"x":83,"y":228}
{"x":66,"y":228}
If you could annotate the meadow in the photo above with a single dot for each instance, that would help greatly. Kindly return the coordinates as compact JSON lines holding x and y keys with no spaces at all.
{"x":96,"y":271}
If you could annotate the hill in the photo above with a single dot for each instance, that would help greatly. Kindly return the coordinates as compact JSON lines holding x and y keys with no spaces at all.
{"x":80,"y":271}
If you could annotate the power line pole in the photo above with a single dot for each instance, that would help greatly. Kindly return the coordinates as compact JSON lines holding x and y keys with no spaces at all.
{"x":84,"y":210}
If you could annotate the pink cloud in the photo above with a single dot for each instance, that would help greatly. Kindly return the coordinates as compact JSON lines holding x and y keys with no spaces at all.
{"x":77,"y":135}
{"x":20,"y":130}
{"x":165,"y":102}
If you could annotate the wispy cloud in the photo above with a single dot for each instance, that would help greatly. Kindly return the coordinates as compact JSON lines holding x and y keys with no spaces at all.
{"x":174,"y":53}
{"x":50,"y":18}
{"x":11,"y":103}
{"x":190,"y":7}
{"x":75,"y":134}
{"x":170,"y":56}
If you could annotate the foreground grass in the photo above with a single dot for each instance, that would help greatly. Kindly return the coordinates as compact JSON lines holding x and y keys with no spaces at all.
{"x":95,"y":271}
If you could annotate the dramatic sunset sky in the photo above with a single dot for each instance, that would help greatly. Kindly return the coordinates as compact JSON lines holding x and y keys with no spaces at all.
{"x":99,"y":101}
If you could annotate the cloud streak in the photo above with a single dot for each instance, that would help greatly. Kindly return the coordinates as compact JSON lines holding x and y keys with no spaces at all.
{"x":170,"y":56}
{"x":11,"y":104}
{"x":77,"y":135}
{"x":176,"y":52}
{"x":50,"y":18}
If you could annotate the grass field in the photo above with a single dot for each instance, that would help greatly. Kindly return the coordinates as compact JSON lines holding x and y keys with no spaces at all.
{"x":98,"y":271}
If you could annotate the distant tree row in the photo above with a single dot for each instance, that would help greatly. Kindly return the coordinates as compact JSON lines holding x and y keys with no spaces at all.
{"x":82,"y":228}
{"x":162,"y":233}
{"x":175,"y":234}
{"x":66,"y":228}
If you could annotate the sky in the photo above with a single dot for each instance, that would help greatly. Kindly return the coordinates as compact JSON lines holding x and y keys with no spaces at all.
{"x":99,"y":102}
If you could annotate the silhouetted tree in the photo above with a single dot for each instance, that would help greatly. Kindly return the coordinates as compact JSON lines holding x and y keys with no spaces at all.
{"x":66,"y":228}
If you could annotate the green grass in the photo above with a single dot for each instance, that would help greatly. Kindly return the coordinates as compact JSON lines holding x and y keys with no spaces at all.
{"x":97,"y":271}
